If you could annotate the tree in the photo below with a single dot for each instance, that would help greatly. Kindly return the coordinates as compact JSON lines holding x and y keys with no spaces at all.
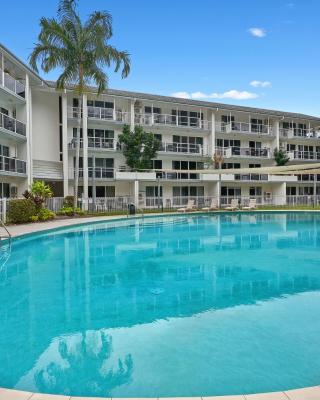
{"x":81,"y":50}
{"x":139,"y":147}
{"x":280,"y":157}
{"x":39,"y":193}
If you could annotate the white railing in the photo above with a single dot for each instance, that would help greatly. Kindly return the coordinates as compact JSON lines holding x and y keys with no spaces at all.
{"x":244,"y":127}
{"x":251,"y":177}
{"x":243,"y":152}
{"x":12,"y":124}
{"x":12,"y":165}
{"x":108,"y":114}
{"x":104,"y":114}
{"x":171,"y":120}
{"x":304,"y":155}
{"x":94,"y":173}
{"x":169,"y":176}
{"x":185,"y":148}
{"x":94,"y":143}
{"x":300,"y":133}
{"x":308,"y":178}
{"x":12,"y":84}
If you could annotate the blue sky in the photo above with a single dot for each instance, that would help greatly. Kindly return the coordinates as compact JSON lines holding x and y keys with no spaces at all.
{"x":205,"y":49}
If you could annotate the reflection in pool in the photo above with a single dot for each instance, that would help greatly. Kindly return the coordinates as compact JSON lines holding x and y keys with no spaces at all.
{"x":173,"y":306}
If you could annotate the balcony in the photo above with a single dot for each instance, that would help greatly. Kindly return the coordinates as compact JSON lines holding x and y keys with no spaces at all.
{"x":171,"y":121}
{"x":251,"y":177}
{"x":13,"y":85}
{"x":101,"y":114}
{"x":94,"y":173}
{"x":184,"y":148}
{"x":12,"y":125}
{"x":244,"y":152}
{"x":173,"y":176}
{"x":10,"y":165}
{"x":244,"y":128}
{"x":95,"y":143}
{"x":304,"y":155}
{"x":300,"y":133}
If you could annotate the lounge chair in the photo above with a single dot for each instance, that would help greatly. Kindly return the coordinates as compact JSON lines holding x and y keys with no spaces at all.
{"x":213,"y":206}
{"x":233,"y":206}
{"x":251,"y":206}
{"x":189,"y":207}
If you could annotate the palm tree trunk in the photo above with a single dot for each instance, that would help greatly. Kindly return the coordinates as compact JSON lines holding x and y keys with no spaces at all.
{"x":76,"y":172}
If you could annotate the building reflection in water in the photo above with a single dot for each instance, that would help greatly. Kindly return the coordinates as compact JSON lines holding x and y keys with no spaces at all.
{"x":62,"y":299}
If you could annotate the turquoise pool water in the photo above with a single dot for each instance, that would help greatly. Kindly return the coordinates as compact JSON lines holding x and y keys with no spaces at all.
{"x":173,"y":306}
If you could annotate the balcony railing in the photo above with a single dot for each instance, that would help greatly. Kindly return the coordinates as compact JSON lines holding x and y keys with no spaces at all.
{"x":177,"y":175}
{"x":12,"y":165}
{"x":185,"y":148}
{"x":104,"y":114}
{"x":12,"y":84}
{"x":243,"y":152}
{"x":300,"y":133}
{"x":251,"y":177}
{"x":13,"y":125}
{"x":94,"y":143}
{"x":171,"y":120}
{"x":304,"y":155}
{"x":244,"y":127}
{"x":95,"y":173}
{"x":308,"y":178}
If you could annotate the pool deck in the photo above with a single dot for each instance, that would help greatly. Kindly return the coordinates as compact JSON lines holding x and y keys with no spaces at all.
{"x":308,"y":393}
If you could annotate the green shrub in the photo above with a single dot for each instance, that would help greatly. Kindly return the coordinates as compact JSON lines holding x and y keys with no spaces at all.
{"x":68,"y":201}
{"x":21,"y":210}
{"x":69,"y":211}
{"x":34,"y":218}
{"x":44,"y":214}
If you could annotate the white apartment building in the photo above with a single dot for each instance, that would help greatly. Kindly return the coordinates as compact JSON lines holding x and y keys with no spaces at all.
{"x":38,"y":126}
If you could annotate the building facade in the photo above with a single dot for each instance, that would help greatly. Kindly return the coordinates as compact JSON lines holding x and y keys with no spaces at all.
{"x":38,"y":130}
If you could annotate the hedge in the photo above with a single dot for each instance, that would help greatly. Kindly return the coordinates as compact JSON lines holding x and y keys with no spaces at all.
{"x":21,"y":210}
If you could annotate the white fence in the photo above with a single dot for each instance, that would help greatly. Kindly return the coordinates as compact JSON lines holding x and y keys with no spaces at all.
{"x":122,"y":203}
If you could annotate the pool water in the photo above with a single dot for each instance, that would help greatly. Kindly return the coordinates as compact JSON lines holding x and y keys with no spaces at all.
{"x":168,"y":306}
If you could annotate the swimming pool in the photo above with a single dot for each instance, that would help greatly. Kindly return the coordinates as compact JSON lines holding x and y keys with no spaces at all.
{"x":167,"y":306}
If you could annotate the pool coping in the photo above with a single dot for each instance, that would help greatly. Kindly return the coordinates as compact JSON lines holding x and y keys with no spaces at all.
{"x":26,"y":230}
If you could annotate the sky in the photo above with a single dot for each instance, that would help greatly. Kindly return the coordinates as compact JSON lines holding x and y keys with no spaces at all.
{"x":259,"y":53}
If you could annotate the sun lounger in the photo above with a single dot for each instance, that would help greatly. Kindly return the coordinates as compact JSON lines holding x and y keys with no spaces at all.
{"x":189,"y":207}
{"x":213,"y":206}
{"x":233,"y":206}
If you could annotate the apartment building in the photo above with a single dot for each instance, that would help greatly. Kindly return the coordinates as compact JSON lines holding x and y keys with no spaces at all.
{"x":38,"y":129}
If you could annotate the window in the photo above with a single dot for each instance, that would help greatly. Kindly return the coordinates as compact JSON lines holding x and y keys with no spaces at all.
{"x":4,"y":151}
{"x":187,"y":118}
{"x":231,"y":165}
{"x":227,"y":118}
{"x":255,"y":191}
{"x":256,"y":125}
{"x":4,"y":111}
{"x":228,"y":143}
{"x":150,"y":110}
{"x":4,"y":190}
{"x":254,"y":165}
{"x":100,"y":104}
{"x":230,"y":191}
{"x":156,"y":164}
{"x":152,"y":191}
{"x":187,"y":191}
{"x":291,"y":191}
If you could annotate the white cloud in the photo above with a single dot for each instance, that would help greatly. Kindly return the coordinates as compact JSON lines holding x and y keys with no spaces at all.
{"x":257,"y":32}
{"x":181,"y":95}
{"x":260,"y":84}
{"x":230,"y":94}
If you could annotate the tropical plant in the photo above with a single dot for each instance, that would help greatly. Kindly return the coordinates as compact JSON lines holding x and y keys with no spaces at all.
{"x":280,"y":157}
{"x":21,"y":211}
{"x":139,"y":147}
{"x":81,"y":50}
{"x":38,"y":193}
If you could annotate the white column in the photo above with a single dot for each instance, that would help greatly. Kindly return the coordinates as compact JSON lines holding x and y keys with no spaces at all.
{"x":132,"y":115}
{"x":136,"y":193}
{"x":85,"y":149}
{"x":29,"y":130}
{"x":212,"y":146}
{"x":2,"y":67}
{"x":276,"y":131}
{"x":65,"y":156}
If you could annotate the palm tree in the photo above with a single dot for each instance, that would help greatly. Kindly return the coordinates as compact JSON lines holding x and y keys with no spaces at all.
{"x":81,"y":50}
